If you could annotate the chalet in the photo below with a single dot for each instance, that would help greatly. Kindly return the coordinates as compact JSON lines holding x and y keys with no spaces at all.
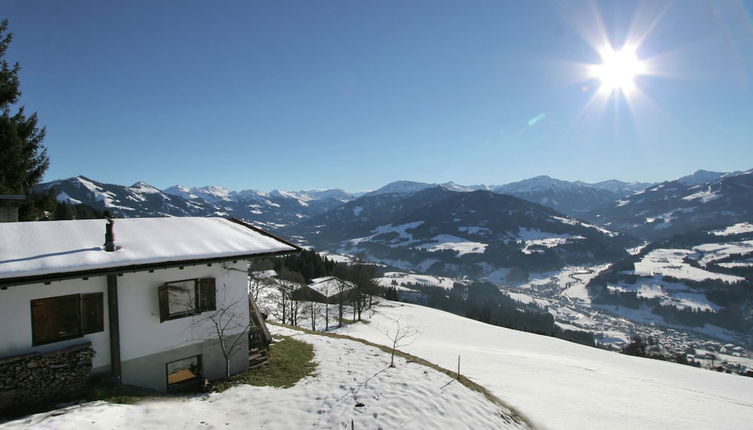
{"x":140,"y":306}
{"x":9,"y":207}
{"x":328,"y":289}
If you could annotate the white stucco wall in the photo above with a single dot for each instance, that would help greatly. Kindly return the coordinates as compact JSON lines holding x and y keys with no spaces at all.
{"x":15,"y":308}
{"x":141,"y":332}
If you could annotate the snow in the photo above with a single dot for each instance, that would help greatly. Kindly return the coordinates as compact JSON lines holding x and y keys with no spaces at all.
{"x":357,"y":210}
{"x":300,"y":197}
{"x":547,"y":243}
{"x":264,"y":274}
{"x":329,"y":286}
{"x":536,"y":237}
{"x":526,"y":234}
{"x":409,"y":396}
{"x":669,"y":293}
{"x":143,"y":187}
{"x":404,"y":238}
{"x":338,"y":258}
{"x":739,"y":228}
{"x":636,"y":250}
{"x":716,"y":251}
{"x":670,"y":262}
{"x":413,"y":278}
{"x":62,"y":197}
{"x":453,"y":243}
{"x":37,"y":248}
{"x":705,"y":196}
{"x":89,"y":185}
{"x":573,"y":221}
{"x":401,"y":187}
{"x":562,"y":385}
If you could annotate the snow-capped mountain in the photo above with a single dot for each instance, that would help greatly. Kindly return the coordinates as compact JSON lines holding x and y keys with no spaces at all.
{"x":618,"y":187}
{"x":702,"y":280}
{"x":445,"y":232}
{"x":271,"y":210}
{"x":401,"y":187}
{"x":703,"y":176}
{"x":572,"y":198}
{"x":681,"y":206}
{"x":138,"y":200}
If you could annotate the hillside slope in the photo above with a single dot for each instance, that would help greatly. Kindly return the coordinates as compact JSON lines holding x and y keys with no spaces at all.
{"x":348,"y":373}
{"x":450,"y":233}
{"x":562,"y":385}
{"x":681,"y":206}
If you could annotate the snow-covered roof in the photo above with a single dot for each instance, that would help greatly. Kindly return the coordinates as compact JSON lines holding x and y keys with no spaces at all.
{"x":29,"y":249}
{"x":260,"y":274}
{"x":329,"y":285}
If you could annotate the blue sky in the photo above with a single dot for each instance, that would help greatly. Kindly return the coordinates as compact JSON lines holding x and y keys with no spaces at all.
{"x":299,"y":94}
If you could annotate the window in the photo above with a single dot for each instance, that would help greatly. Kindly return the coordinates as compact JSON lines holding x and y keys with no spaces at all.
{"x":66,"y":317}
{"x":92,"y":313}
{"x":180,"y":299}
{"x":183,"y":373}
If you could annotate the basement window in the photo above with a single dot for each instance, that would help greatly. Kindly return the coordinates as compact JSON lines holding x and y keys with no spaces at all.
{"x":183,"y":373}
{"x":61,"y":318}
{"x":178,"y":299}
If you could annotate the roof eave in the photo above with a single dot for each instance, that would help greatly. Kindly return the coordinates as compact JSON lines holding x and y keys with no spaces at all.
{"x":60,"y":276}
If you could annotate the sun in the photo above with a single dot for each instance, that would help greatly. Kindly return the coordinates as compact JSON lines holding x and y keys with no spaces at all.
{"x":617,"y":70}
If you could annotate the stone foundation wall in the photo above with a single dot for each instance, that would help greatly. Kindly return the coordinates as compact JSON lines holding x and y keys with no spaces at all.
{"x":40,"y":377}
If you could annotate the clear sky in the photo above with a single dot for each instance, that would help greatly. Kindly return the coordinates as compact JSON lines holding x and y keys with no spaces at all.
{"x":354,"y":94}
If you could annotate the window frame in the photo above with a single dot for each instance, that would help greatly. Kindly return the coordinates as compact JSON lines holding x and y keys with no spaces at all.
{"x":84,"y":325}
{"x":182,"y":385}
{"x":204,"y":298}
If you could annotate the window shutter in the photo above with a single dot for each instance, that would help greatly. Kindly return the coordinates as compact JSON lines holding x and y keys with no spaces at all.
{"x":207,"y":294}
{"x":164,"y":303}
{"x":92,"y":313}
{"x":42,"y":329}
{"x":56,"y":318}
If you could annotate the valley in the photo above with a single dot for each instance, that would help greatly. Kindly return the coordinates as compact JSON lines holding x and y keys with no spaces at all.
{"x":670,"y":262}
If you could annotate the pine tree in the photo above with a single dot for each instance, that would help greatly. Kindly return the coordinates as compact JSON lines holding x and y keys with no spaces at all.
{"x":23,"y":158}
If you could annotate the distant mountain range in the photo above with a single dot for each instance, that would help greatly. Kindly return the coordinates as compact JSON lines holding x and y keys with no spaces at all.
{"x":648,"y":211}
{"x":702,"y":200}
{"x":271,"y":210}
{"x":454,"y":233}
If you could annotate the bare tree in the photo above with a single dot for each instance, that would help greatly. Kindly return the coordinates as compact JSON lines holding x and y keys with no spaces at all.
{"x":314,"y":310}
{"x":230,"y":329}
{"x":290,"y":282}
{"x":400,"y":334}
{"x":224,"y":322}
{"x":257,"y":284}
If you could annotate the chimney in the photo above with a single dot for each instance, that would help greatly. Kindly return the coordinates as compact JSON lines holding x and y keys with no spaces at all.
{"x":109,"y":233}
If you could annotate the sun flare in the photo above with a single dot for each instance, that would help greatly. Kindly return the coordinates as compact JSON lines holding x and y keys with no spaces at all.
{"x":618,"y":70}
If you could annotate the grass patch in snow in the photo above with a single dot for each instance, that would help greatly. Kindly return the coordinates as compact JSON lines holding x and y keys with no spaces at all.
{"x":290,"y":360}
{"x":347,"y":321}
{"x":515,"y":415}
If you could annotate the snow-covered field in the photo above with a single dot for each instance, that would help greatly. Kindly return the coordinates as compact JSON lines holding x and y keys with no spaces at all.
{"x":739,"y":228}
{"x":670,"y":262}
{"x":415,"y":278}
{"x":453,"y":243}
{"x":408,"y":396}
{"x":562,"y":385}
{"x":537,"y":238}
